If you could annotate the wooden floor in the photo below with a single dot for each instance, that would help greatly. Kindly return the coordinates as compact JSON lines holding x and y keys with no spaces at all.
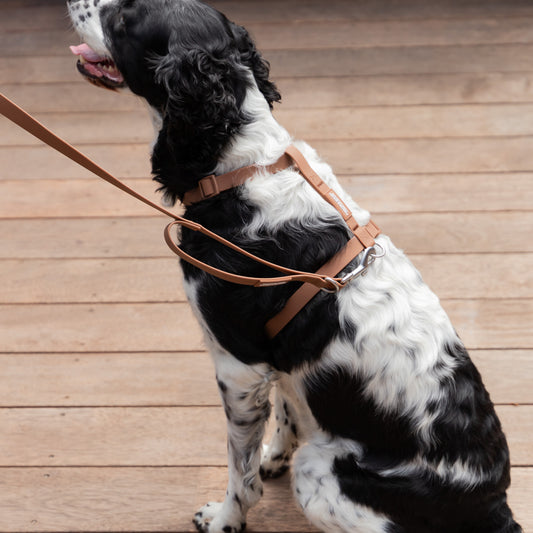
{"x":109,"y":417}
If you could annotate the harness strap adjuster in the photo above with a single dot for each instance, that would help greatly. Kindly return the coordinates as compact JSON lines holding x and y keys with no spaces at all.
{"x":208,"y":187}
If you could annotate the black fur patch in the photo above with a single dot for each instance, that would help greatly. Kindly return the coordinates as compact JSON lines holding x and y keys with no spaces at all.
{"x":191,"y":64}
{"x":337,"y":401}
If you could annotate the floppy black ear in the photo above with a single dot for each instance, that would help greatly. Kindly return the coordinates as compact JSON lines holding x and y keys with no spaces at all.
{"x":201,"y":114}
{"x":258,"y":65}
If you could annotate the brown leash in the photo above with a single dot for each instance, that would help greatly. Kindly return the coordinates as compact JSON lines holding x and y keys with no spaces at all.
{"x":323,"y":279}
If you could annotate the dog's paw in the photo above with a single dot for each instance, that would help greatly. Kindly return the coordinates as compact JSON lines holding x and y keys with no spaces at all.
{"x":273,"y":464}
{"x":210,"y":519}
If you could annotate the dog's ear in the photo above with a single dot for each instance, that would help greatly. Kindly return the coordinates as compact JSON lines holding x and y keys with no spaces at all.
{"x":256,"y":63}
{"x":205,"y":91}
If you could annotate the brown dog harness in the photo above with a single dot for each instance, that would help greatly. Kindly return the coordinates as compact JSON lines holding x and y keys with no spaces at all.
{"x":323,"y":279}
{"x":363,"y":239}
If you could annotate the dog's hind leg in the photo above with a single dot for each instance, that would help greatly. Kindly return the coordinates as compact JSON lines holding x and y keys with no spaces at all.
{"x":318,"y":492}
{"x":245,"y":395}
{"x":278,"y":452}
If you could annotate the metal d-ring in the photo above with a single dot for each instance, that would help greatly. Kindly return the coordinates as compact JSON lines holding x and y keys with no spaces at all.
{"x":336,"y":286}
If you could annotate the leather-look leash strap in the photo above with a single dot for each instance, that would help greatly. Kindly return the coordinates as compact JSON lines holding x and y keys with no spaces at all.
{"x":31,"y":125}
{"x":317,"y":280}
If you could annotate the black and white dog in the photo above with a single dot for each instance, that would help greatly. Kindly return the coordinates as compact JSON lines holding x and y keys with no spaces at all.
{"x":394,"y":429}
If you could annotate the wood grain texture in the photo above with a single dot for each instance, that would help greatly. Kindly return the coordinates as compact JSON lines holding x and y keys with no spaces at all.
{"x":109,"y":500}
{"x":382,"y":156}
{"x":135,"y":280}
{"x":171,"y":327}
{"x":404,"y":122}
{"x":308,"y":93}
{"x":464,"y":232}
{"x":109,"y":379}
{"x":320,"y":35}
{"x":157,"y":436}
{"x":183,"y":379}
{"x":89,"y":197}
{"x":110,"y":327}
{"x":422,"y":108}
{"x":510,"y":58}
{"x":145,"y":499}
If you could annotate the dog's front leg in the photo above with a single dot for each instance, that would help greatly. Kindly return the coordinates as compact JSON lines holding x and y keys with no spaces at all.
{"x":244,"y":390}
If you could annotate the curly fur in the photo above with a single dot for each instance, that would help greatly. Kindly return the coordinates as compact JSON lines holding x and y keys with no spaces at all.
{"x":394,"y":428}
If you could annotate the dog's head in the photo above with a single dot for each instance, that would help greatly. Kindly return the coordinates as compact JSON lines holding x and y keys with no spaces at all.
{"x":191,"y":64}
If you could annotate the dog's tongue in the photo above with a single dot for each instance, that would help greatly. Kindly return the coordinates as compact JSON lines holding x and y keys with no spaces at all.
{"x":97,"y":65}
{"x":87,"y":53}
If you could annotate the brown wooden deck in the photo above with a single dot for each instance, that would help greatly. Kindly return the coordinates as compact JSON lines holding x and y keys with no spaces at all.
{"x":109,"y":417}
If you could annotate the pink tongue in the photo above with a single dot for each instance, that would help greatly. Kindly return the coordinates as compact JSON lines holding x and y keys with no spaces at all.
{"x":88,"y":53}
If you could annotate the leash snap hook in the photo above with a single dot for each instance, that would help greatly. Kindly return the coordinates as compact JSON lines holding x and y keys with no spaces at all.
{"x":368,"y":257}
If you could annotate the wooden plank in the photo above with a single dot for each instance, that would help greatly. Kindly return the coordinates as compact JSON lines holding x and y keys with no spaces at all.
{"x":378,"y":61}
{"x":407,"y":121}
{"x":159,"y":499}
{"x":106,"y":379}
{"x":421,"y":156}
{"x":76,"y":96}
{"x":380,"y":10}
{"x":418,"y":233}
{"x":159,"y":279}
{"x":173,"y":379}
{"x":520,"y":495}
{"x":485,"y":276}
{"x":51,"y":15}
{"x":485,"y":324}
{"x":75,"y":238}
{"x":158,"y":436}
{"x":310,"y":35}
{"x":386,"y":90}
{"x":458,"y":233}
{"x":124,"y":161}
{"x":505,"y":374}
{"x":91,"y":280}
{"x":155,"y":436}
{"x":89,"y":127}
{"x":397,"y":156}
{"x":99,"y":328}
{"x":133,"y":499}
{"x":382,"y":193}
{"x":74,"y":198}
{"x":331,"y":62}
{"x":314,"y":35}
{"x":313,"y":124}
{"x":439,"y":192}
{"x":482,"y":324}
{"x":302,"y":93}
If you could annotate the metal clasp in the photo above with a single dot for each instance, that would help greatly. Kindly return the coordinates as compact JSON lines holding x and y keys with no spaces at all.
{"x":368,"y":256}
